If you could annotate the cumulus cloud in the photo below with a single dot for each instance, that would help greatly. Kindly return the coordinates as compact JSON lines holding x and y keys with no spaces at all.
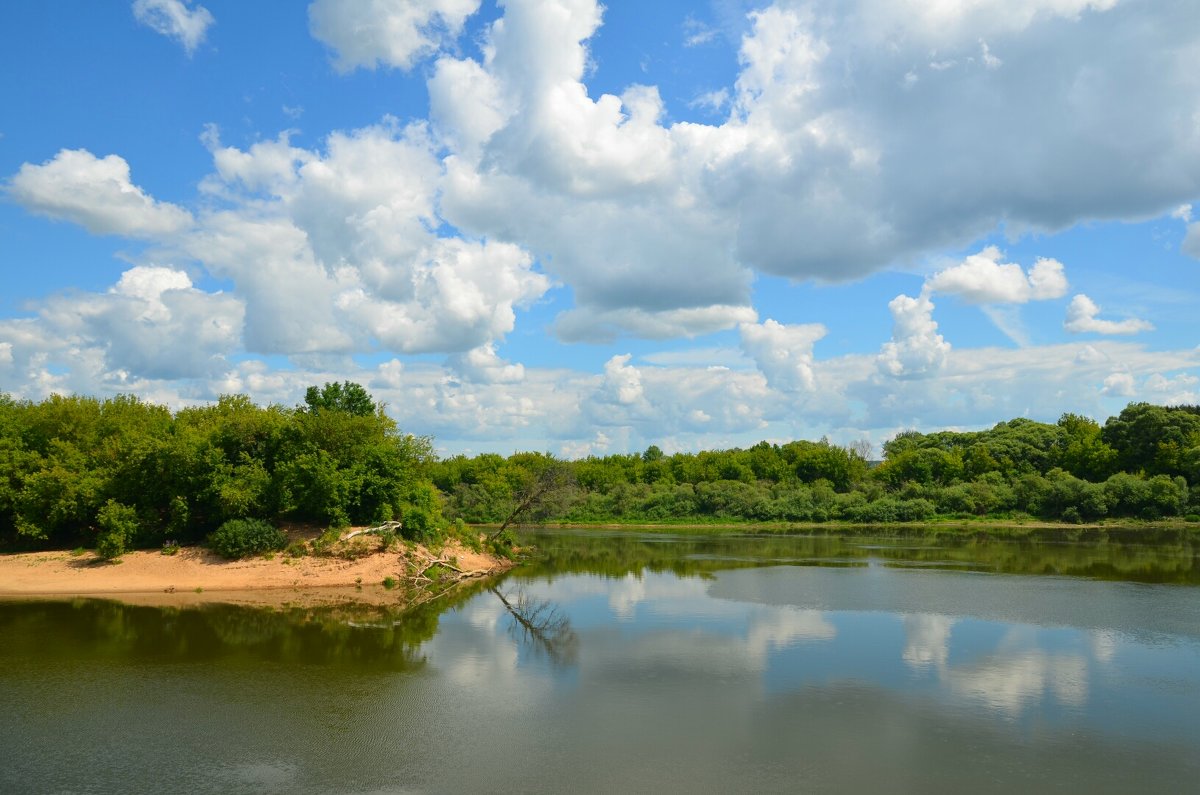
{"x":953,"y":21}
{"x":347,"y":233}
{"x":916,"y":349}
{"x":603,"y":199}
{"x":460,"y":295}
{"x":1173,"y":391}
{"x":622,"y":382}
{"x":396,"y":33}
{"x":983,"y":279}
{"x":783,"y":353}
{"x":153,"y":324}
{"x":483,"y":365}
{"x":1082,"y":318}
{"x":814,"y":175}
{"x":685,"y":406}
{"x":423,"y":238}
{"x":95,"y":193}
{"x":175,"y":19}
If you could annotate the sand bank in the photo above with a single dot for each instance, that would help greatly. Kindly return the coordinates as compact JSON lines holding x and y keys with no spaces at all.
{"x":196,"y":575}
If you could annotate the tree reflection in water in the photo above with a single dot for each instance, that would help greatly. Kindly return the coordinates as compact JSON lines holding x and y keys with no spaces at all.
{"x":541,"y":626}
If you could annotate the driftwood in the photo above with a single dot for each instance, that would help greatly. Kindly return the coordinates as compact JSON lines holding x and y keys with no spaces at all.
{"x":383,"y":528}
{"x":422,"y":568}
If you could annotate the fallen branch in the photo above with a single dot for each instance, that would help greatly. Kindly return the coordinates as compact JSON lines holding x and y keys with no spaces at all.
{"x":421,"y":574}
{"x":383,"y":528}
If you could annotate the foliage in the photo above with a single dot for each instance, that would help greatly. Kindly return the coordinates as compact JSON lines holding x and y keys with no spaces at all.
{"x":1066,"y":471}
{"x":123,"y":473}
{"x":118,"y":526}
{"x":337,"y":461}
{"x":239,"y":538}
{"x":347,"y":397}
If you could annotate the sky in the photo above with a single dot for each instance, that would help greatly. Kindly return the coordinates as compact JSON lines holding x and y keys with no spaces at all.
{"x":582,"y":229}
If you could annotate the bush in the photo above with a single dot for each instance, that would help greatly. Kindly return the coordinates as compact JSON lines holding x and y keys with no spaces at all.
{"x":118,"y":525}
{"x":238,"y":538}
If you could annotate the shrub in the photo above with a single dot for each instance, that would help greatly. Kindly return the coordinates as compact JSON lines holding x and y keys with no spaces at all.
{"x":238,"y":538}
{"x":323,"y":545}
{"x":118,"y":525}
{"x":418,"y":525}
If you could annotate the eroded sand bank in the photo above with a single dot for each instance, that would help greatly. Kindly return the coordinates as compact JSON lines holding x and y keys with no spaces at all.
{"x":196,"y":575}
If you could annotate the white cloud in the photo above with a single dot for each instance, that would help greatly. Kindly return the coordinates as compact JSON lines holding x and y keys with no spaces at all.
{"x":958,"y":20}
{"x":95,"y":193}
{"x":713,"y":101}
{"x":175,"y":19}
{"x":696,"y":33}
{"x":1178,"y":390}
{"x":267,"y":166}
{"x":983,"y":279}
{"x":586,"y":324}
{"x":985,"y":54}
{"x":460,"y":295}
{"x":1119,"y":384}
{"x":290,"y":296}
{"x":784,"y":354}
{"x":151,"y":325}
{"x":622,"y":383}
{"x":1191,"y":240}
{"x":482,"y":365}
{"x":916,"y":349}
{"x":815,"y":175}
{"x":602,"y":201}
{"x":1082,"y":318}
{"x":396,"y":33}
{"x":348,"y":234}
{"x":423,"y":238}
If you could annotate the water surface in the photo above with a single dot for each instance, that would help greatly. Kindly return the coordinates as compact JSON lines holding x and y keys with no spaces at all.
{"x":623,"y":662}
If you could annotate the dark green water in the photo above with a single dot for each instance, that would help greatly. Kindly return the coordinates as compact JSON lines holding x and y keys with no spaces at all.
{"x":625,"y":663}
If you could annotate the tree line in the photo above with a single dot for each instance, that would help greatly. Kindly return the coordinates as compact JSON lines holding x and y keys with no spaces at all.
{"x":123,"y":473}
{"x":120,"y":471}
{"x":1143,"y":464}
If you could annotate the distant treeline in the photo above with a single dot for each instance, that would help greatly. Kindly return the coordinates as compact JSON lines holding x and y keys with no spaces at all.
{"x":74,"y":470}
{"x":1140,"y":465}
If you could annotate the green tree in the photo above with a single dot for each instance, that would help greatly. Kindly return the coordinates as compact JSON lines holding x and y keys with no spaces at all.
{"x":1153,"y":438}
{"x":118,"y":526}
{"x":347,"y":396}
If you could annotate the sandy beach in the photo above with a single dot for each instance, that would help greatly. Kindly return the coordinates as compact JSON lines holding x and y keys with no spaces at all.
{"x":195,"y":575}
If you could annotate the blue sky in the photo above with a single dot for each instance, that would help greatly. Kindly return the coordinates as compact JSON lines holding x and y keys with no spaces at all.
{"x":555,"y":225}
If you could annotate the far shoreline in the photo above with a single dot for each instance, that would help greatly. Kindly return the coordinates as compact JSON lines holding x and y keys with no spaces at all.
{"x":1005,"y":528}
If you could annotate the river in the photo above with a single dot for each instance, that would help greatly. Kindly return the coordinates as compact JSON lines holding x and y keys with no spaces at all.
{"x":624,"y":662}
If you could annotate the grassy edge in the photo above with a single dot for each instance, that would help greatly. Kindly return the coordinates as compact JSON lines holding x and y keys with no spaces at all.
{"x":1004,"y":528}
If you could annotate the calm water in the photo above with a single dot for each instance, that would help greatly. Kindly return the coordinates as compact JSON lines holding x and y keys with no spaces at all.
{"x":640,"y":663}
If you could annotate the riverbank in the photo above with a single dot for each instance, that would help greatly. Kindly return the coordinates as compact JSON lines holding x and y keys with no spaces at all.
{"x":1000,"y":528}
{"x":195,"y":575}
